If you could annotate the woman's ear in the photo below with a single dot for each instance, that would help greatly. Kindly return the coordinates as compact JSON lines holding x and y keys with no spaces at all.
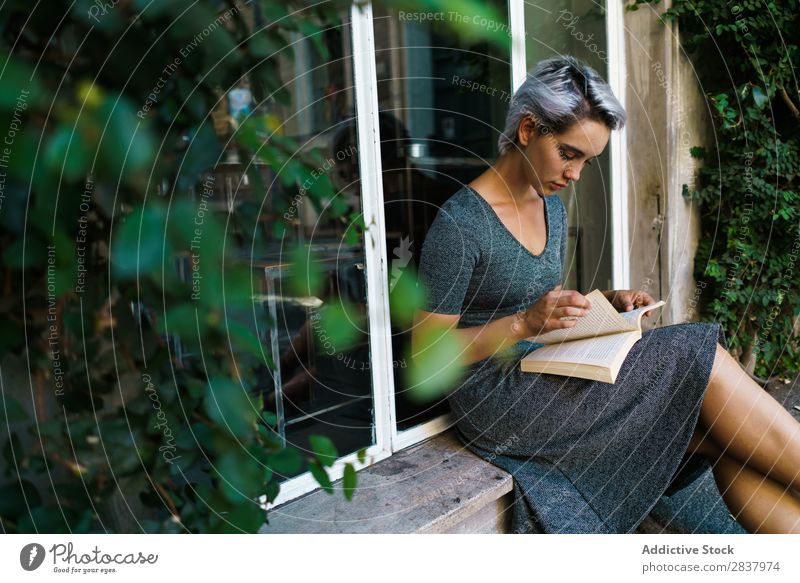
{"x":526,"y":130}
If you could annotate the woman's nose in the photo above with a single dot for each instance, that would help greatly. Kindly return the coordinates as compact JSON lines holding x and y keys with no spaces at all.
{"x":572,"y":174}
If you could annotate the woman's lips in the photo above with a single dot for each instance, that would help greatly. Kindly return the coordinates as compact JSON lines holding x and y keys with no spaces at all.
{"x":558,"y":186}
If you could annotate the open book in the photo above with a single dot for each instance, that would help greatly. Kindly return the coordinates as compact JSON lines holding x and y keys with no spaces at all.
{"x":594,"y":348}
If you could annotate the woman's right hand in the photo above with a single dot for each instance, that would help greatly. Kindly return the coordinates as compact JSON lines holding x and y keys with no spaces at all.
{"x":547,"y":313}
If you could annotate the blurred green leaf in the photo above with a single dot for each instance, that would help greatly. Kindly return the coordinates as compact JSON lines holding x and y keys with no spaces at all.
{"x":324,"y":449}
{"x":242,"y":478}
{"x":138,"y":247}
{"x":231,"y":408}
{"x":438,"y":365}
{"x":126,"y":146}
{"x":321,"y":476}
{"x":286,"y":461}
{"x":349,"y":481}
{"x":338,"y":326}
{"x":19,"y":88}
{"x":406,"y":293}
{"x":305,"y":276}
{"x":66,"y":152}
{"x":202,"y":153}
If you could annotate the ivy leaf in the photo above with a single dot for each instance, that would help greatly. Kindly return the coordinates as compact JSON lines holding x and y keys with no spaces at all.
{"x":437,"y":365}
{"x":349,"y":481}
{"x":698,"y":152}
{"x":137,"y":246}
{"x":230,"y":407}
{"x":305,"y":276}
{"x":759,"y":97}
{"x":324,"y":449}
{"x":286,"y":461}
{"x":406,"y":293}
{"x":321,"y":476}
{"x":339,"y":326}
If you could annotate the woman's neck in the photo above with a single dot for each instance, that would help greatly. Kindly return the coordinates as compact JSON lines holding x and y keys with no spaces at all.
{"x":506,"y":178}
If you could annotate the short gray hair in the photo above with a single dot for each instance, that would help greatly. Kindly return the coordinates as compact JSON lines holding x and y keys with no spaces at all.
{"x":559,"y":92}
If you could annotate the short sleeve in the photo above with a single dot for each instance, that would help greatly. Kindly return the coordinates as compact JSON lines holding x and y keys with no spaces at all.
{"x":449,"y":256}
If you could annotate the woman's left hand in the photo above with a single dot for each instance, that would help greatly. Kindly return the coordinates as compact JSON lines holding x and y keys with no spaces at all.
{"x":625,"y":300}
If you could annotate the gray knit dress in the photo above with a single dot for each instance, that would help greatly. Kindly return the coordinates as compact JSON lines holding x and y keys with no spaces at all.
{"x":586,"y":456}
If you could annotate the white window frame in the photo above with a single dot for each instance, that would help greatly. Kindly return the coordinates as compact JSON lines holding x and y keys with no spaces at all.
{"x":387,"y":438}
{"x":617,"y":79}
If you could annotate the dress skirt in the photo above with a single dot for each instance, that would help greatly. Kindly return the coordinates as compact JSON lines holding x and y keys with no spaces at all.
{"x":589,"y":456}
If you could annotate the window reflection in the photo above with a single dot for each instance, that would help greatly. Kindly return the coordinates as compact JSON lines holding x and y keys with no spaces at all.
{"x":435,"y":137}
{"x":578,"y":28}
{"x":322,"y":383}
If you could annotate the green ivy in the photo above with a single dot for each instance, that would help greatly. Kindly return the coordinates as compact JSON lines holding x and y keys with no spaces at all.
{"x":746,"y":54}
{"x":114,"y":433}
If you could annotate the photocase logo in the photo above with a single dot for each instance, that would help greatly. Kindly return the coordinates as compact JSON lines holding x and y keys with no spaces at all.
{"x":31,"y":556}
{"x":402,"y":256}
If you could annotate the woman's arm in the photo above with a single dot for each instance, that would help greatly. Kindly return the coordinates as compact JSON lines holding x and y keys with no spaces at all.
{"x":554,"y":310}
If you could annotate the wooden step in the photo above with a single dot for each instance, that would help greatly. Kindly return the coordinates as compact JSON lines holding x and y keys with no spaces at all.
{"x":436,"y":486}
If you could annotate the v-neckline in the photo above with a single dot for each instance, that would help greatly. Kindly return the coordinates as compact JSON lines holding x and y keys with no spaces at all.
{"x":510,"y":234}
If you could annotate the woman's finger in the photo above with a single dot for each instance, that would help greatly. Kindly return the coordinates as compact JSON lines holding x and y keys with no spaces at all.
{"x":572,"y":312}
{"x":573,"y":298}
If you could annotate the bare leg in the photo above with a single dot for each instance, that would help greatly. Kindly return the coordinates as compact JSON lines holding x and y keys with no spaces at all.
{"x":758,"y":503}
{"x":748,"y":425}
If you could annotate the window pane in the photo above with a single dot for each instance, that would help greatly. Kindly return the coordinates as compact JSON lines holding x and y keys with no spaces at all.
{"x":578,"y":28}
{"x":436,"y":136}
{"x":324,"y":384}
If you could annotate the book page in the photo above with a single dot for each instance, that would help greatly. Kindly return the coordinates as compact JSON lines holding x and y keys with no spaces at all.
{"x":598,"y":351}
{"x":601,"y":319}
{"x":634,"y":317}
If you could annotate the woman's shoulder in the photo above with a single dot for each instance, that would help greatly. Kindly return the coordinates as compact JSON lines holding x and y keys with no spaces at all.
{"x":462,"y":208}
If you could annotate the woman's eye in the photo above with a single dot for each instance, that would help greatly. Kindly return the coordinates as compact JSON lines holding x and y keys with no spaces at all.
{"x":563,"y":155}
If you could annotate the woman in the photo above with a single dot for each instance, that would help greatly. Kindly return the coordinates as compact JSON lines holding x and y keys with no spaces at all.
{"x":587,"y":456}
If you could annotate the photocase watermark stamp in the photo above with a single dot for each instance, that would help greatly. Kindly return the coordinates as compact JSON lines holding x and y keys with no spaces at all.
{"x":350,"y":152}
{"x":569,"y":21}
{"x":733,"y":282}
{"x":783,"y":291}
{"x":326,"y":344}
{"x":168,"y":448}
{"x":31,"y":556}
{"x":66,"y":560}
{"x":184,"y":52}
{"x":402,"y":257}
{"x":206,"y":193}
{"x":81,"y":236}
{"x":101,"y":8}
{"x":474,"y":86}
{"x":53,"y":336}
{"x":457,"y":17}
{"x":8,"y":141}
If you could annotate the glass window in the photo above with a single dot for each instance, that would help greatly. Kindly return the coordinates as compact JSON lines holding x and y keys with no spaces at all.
{"x":438,"y":131}
{"x":322,"y":384}
{"x":578,"y":28}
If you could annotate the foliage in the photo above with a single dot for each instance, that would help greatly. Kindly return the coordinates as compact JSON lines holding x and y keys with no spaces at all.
{"x":745,"y":54}
{"x":112,"y":264}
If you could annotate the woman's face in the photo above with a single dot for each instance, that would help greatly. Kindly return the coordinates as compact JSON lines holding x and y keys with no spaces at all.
{"x":553,"y":160}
